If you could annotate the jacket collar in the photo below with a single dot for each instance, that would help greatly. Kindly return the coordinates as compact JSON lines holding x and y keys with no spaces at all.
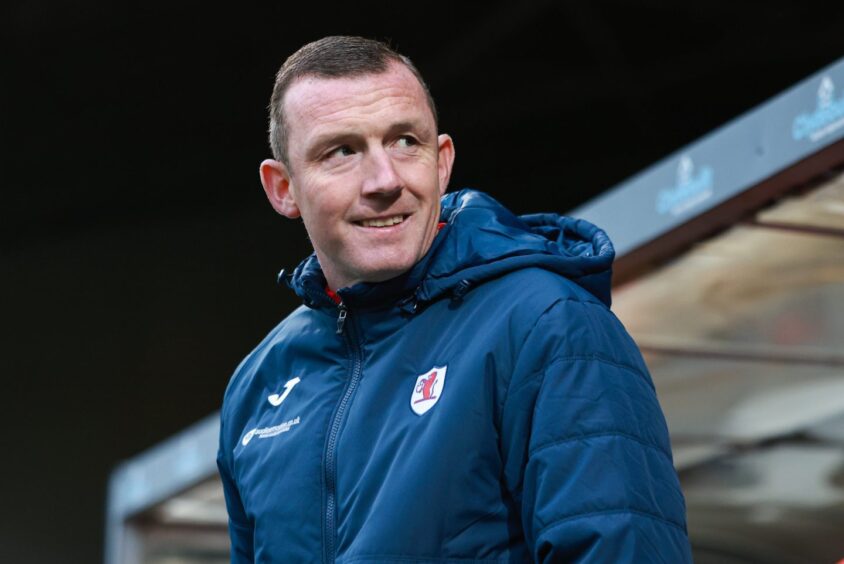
{"x":480,"y":240}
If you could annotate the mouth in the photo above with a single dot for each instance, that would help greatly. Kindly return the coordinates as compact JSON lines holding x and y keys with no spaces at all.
{"x":382,"y":221}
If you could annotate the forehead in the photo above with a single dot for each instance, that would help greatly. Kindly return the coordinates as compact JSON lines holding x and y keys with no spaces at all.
{"x":314,"y":104}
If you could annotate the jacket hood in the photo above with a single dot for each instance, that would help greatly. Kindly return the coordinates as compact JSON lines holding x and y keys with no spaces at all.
{"x":481,"y":240}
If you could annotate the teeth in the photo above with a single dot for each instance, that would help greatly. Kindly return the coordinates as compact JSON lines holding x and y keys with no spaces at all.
{"x":382,"y":222}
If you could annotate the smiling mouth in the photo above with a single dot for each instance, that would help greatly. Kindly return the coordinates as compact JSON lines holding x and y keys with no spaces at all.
{"x":382,"y":222}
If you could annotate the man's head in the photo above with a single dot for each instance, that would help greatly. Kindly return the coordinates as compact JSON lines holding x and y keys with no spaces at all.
{"x":331,"y":57}
{"x":357,"y":156}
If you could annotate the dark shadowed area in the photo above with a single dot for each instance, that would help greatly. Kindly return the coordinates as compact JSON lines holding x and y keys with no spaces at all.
{"x":138,"y":253}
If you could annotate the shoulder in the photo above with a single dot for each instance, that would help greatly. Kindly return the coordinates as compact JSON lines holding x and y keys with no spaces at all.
{"x":247,"y":374}
{"x":560,"y":320}
{"x":536,"y":296}
{"x":543,"y":285}
{"x":579,"y":370}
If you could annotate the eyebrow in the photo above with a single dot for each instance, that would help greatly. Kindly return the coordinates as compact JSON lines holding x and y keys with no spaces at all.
{"x":324,"y":141}
{"x":327,"y":140}
{"x":413,"y":125}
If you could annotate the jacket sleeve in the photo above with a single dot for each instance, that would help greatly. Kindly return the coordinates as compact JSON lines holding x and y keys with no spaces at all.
{"x":585,"y":445}
{"x":240,"y":526}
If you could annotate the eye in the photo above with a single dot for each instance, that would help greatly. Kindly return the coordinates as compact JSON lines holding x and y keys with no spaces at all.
{"x":406,"y":142}
{"x":341,"y":151}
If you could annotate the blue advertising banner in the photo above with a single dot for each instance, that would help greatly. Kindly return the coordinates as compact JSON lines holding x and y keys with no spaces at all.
{"x":772,"y":137}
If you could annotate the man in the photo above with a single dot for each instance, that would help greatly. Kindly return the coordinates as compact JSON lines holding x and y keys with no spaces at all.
{"x":454,"y":387}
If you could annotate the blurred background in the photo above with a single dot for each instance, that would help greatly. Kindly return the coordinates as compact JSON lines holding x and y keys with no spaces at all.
{"x":138,"y":252}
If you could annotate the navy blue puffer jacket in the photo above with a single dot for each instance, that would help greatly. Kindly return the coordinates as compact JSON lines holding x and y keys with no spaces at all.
{"x":486,"y":406}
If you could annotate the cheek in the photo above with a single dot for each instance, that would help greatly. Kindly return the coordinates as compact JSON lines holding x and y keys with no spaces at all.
{"x":325,"y":221}
{"x":318,"y":201}
{"x":423,"y":179}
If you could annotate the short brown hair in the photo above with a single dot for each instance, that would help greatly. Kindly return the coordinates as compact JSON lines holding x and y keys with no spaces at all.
{"x":335,"y":56}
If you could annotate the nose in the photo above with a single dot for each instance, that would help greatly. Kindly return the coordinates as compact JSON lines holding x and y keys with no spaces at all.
{"x":380,"y":174}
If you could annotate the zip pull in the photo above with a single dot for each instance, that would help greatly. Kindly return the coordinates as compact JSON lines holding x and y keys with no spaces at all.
{"x":460,"y":290}
{"x":341,"y":318}
{"x":409,"y":304}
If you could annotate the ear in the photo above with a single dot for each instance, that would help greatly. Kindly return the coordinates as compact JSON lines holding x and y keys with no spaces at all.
{"x":445,"y":160}
{"x":277,"y":185}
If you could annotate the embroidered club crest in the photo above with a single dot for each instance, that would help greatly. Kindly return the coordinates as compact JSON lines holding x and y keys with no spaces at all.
{"x":428,"y":390}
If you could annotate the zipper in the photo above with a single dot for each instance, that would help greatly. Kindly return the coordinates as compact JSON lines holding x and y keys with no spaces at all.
{"x":330,"y":531}
{"x":341,"y":317}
